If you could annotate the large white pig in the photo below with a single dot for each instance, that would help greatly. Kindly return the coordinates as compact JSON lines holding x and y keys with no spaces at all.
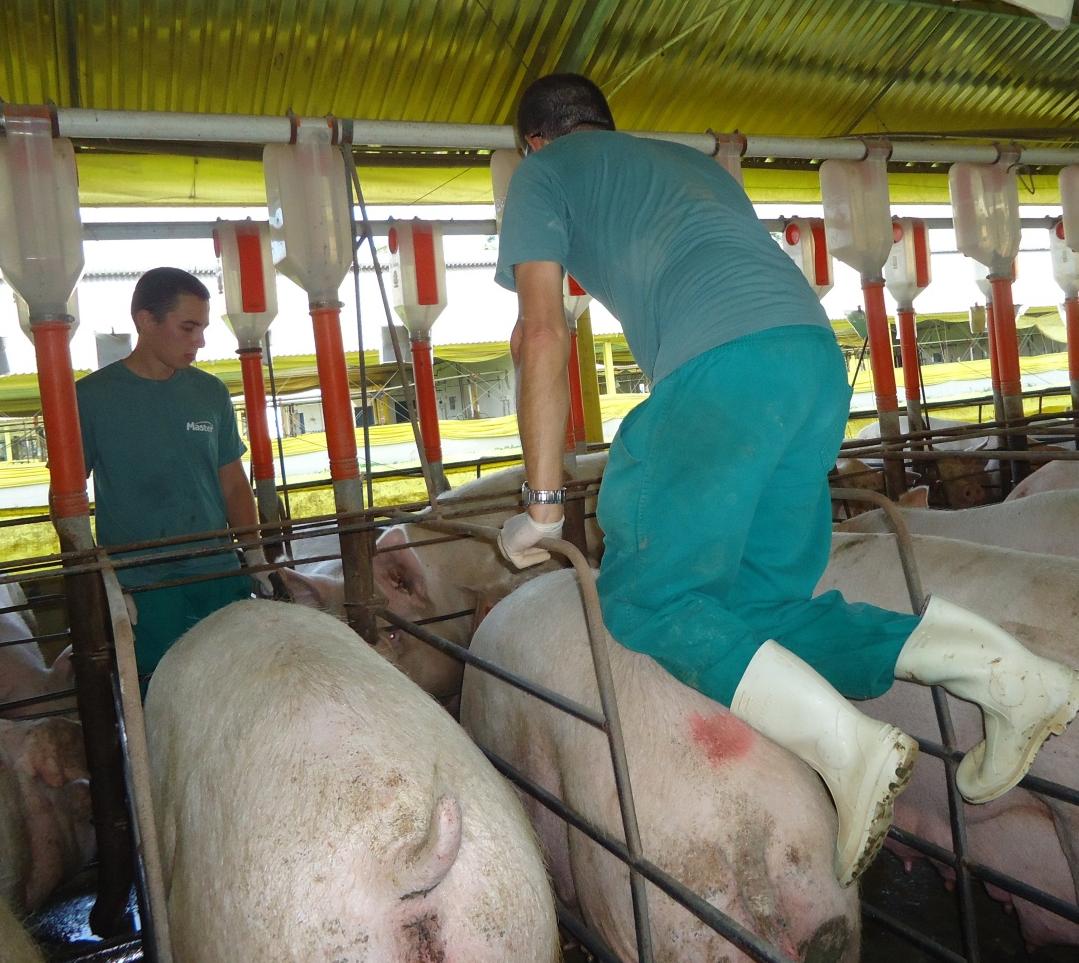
{"x":314,"y":804}
{"x":1054,"y":476}
{"x":1036,"y":598}
{"x":420,"y":583}
{"x":737,"y":819}
{"x":23,"y":673}
{"x":15,"y":943}
{"x":45,"y":828}
{"x":1047,"y":523}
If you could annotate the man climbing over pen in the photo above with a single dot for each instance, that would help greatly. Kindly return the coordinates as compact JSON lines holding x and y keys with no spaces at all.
{"x":715,"y":503}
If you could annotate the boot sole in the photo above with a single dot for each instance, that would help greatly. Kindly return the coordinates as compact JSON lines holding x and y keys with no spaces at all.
{"x":877,"y":830}
{"x":1053,"y":726}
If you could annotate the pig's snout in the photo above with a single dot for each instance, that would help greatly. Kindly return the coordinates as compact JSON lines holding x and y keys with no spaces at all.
{"x":829,"y":944}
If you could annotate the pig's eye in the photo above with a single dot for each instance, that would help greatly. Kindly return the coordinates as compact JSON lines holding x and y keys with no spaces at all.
{"x":392,"y":636}
{"x":400,"y":585}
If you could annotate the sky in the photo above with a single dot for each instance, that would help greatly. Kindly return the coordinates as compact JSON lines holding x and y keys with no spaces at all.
{"x":478,"y":310}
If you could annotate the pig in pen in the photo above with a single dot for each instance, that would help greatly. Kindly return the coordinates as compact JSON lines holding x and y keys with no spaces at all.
{"x":1065,"y":908}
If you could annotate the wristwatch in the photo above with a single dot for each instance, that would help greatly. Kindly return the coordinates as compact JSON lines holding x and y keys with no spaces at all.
{"x":532,"y":497}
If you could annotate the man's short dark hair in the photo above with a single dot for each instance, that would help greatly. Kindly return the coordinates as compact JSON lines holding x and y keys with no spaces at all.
{"x":160,"y":288}
{"x":558,"y":104}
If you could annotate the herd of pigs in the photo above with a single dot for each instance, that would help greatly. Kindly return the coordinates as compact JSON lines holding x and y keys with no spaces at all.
{"x":315,"y":803}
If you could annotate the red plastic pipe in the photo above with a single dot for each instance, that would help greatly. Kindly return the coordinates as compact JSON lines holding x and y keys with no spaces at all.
{"x":991,"y":342}
{"x":908,"y":345}
{"x":880,"y":347}
{"x":424,"y":374}
{"x":336,"y":403}
{"x":67,"y":465}
{"x":258,"y":430}
{"x":576,"y":394}
{"x":1005,"y":338}
{"x":1071,"y":314}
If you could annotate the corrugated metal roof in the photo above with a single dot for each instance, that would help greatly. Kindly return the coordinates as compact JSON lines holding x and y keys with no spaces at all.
{"x":785,"y":67}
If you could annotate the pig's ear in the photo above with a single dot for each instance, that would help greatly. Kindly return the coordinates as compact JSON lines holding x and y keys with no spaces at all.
{"x":916,"y":497}
{"x":421,"y":866}
{"x":399,"y":572}
{"x":314,"y":591}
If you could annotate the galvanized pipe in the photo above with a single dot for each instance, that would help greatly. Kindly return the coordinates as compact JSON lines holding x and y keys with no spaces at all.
{"x":597,"y":636}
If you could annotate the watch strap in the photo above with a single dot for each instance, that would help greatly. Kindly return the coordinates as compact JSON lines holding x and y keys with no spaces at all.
{"x":542,"y":496}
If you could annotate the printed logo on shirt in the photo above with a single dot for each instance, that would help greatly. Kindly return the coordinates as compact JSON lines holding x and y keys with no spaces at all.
{"x":200,"y":426}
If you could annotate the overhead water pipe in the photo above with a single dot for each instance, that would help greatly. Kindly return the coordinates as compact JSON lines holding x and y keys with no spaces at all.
{"x":42,"y":259}
{"x":907,"y":274}
{"x":985,"y":206}
{"x":858,"y":226}
{"x":86,"y":124}
{"x":248,"y":282}
{"x":311,"y":243}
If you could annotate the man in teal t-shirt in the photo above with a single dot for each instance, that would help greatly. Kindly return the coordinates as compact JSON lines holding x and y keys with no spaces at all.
{"x":715,"y":503}
{"x":161,"y":441}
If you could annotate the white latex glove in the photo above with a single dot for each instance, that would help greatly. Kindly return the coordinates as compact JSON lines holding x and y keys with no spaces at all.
{"x":517,"y":540}
{"x":256,"y":556}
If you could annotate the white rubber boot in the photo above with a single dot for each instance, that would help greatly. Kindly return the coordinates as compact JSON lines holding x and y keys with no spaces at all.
{"x":864,"y":763}
{"x":1024,"y":698}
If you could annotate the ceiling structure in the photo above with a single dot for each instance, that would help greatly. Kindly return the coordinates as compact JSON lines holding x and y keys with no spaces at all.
{"x":913,"y":69}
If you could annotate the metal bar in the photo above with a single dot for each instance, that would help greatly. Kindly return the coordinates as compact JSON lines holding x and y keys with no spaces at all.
{"x":153,"y":905}
{"x":597,"y":637}
{"x":708,"y":914}
{"x":586,"y":937}
{"x":965,"y":890}
{"x":51,"y":637}
{"x":462,"y":654}
{"x":911,"y":935}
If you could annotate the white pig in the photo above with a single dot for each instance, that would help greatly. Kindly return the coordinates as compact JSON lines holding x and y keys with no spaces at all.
{"x":15,"y":943}
{"x":419,"y":583}
{"x":737,"y":819}
{"x":314,"y":804}
{"x":1035,"y":597}
{"x":23,"y":673}
{"x":1047,"y":523}
{"x":45,"y":828}
{"x":1054,"y":476}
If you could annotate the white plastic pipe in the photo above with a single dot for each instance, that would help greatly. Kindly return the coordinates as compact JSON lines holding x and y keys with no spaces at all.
{"x":248,"y":129}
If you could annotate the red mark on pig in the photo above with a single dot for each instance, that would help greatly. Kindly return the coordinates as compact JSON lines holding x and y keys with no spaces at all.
{"x":722,"y":737}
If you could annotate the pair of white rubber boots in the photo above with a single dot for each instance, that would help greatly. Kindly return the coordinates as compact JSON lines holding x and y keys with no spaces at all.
{"x":865,"y":763}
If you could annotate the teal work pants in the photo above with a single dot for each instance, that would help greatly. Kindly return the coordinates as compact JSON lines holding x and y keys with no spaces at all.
{"x":167,"y":613}
{"x":717,"y":520}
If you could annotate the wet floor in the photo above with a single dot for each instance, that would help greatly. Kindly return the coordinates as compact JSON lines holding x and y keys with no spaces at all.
{"x":918,"y":899}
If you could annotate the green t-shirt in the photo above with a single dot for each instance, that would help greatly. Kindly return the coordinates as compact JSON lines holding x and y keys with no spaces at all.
{"x":661,"y":235}
{"x":155,"y":448}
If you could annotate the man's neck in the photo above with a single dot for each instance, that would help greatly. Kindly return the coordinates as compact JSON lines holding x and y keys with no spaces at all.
{"x":146,"y":365}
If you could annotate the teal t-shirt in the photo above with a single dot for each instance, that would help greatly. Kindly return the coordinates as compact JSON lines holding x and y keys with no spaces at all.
{"x":155,"y":448}
{"x":661,"y":235}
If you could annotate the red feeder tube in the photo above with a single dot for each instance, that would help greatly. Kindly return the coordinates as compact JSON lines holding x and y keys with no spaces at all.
{"x":336,"y":403}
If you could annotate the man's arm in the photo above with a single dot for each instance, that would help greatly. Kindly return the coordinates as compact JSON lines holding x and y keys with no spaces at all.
{"x":540,"y":349}
{"x":239,"y":499}
{"x":241,"y":512}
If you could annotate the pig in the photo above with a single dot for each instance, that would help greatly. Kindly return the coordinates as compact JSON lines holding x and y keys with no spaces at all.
{"x":23,"y":673}
{"x":15,"y":941}
{"x":965,"y":481}
{"x":430,"y":580}
{"x":314,"y":804}
{"x":1046,"y":523}
{"x":734,"y":817}
{"x":45,"y":819}
{"x":1053,"y":476}
{"x":1036,"y":598}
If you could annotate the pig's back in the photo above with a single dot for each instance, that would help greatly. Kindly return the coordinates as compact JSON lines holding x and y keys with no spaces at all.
{"x":298,"y":774}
